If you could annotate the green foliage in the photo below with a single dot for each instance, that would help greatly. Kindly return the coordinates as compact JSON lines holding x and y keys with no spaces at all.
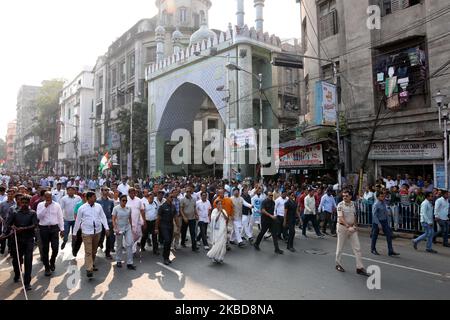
{"x":2,"y":149}
{"x":140,"y":129}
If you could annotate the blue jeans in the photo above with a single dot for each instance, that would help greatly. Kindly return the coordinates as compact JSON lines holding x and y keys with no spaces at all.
{"x":444,"y":224}
{"x":429,"y":232}
{"x":387,"y":232}
{"x":67,"y":226}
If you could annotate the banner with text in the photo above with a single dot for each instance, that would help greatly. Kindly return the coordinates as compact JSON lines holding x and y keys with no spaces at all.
{"x":430,"y":150}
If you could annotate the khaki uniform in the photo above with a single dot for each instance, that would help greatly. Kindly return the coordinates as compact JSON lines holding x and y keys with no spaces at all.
{"x":343,"y":235}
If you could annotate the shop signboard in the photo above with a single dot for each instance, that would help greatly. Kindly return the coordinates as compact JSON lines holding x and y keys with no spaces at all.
{"x":310,"y":156}
{"x":425,"y":150}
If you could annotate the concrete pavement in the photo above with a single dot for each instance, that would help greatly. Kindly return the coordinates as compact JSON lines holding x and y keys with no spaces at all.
{"x":246,"y":274}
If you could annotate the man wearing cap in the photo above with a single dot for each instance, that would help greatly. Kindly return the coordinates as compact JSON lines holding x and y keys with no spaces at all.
{"x":68,"y":203}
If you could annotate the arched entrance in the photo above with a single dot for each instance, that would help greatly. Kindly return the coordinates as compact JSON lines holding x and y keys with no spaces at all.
{"x":189,"y":105}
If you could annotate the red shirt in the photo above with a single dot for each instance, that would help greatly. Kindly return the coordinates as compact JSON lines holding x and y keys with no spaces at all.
{"x":301,"y":200}
{"x":35,"y":201}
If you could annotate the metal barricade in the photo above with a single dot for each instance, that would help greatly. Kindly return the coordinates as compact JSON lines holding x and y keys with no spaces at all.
{"x":404,"y":218}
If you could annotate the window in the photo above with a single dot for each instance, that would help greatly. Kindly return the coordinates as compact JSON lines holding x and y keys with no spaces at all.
{"x":114,"y":77}
{"x":213,"y":124}
{"x":150,"y":54}
{"x":327,"y":72}
{"x":196,"y":17}
{"x":123,"y":71}
{"x":182,"y":15}
{"x":100,"y":86}
{"x":328,"y":19}
{"x":400,"y":74}
{"x":305,"y":35}
{"x":391,"y":6}
{"x":202,"y":16}
{"x":131,"y":65}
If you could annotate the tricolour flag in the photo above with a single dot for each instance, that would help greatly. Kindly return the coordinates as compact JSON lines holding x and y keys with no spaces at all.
{"x":105,"y":164}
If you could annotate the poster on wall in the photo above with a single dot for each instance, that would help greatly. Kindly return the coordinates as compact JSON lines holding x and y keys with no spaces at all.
{"x":440,"y":176}
{"x":243,"y":139}
{"x":326,"y":103}
{"x":303,"y":157}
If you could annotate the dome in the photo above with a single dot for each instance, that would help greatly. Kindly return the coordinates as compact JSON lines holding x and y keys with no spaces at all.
{"x":177,"y":35}
{"x":160,"y":30}
{"x":204,"y":33}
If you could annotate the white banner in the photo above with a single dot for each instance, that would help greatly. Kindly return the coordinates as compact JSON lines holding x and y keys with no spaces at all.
{"x":429,"y":150}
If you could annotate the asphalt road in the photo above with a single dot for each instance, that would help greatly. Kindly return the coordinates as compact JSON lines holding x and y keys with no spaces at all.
{"x":246,"y":274}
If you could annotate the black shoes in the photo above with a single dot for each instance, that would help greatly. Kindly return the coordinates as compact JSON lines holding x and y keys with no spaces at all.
{"x":89,"y":274}
{"x":375,"y":252}
{"x":241,"y":245}
{"x":94,"y":268}
{"x":394,"y":254}
{"x":131,"y":267}
{"x":166,"y":262}
{"x":183,"y":245}
{"x":339,"y":268}
{"x":362,"y":272}
{"x":119,"y":264}
{"x":156,"y":253}
{"x":414,"y":244}
{"x":279,"y":251}
{"x":28,"y":287}
{"x":63,"y":245}
{"x":431,"y":251}
{"x":16,"y":279}
{"x":108,"y":256}
{"x":292,"y":250}
{"x":257,"y":247}
{"x":52,"y":267}
{"x":48,"y":272}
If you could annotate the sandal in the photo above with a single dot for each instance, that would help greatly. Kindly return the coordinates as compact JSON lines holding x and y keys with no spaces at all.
{"x":339,"y":268}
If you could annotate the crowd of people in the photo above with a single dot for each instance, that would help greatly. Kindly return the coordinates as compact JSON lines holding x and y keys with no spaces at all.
{"x":127,"y":218}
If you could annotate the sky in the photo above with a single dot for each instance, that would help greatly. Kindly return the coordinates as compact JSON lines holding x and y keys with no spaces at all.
{"x":48,"y":39}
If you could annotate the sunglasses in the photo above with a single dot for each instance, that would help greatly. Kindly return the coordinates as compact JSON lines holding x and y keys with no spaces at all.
{"x":124,"y":201}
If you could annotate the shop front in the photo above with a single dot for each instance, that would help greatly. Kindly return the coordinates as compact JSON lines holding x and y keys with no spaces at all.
{"x":307,"y":163}
{"x":415,"y":158}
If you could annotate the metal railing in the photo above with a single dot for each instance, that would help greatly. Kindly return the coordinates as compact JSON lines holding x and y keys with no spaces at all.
{"x":401,"y":217}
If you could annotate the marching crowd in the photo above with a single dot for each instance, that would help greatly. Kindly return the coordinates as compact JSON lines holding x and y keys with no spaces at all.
{"x":126,"y":218}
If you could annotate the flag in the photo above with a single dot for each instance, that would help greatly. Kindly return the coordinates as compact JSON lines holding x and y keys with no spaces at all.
{"x":105,"y":164}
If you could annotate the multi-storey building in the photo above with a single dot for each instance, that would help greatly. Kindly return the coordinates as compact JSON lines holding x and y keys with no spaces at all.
{"x":10,"y":145}
{"x":120,"y":73}
{"x":25,"y":138}
{"x":387,"y":75}
{"x":77,"y":115}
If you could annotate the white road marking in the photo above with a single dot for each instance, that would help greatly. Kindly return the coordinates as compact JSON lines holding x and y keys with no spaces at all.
{"x":221,"y":294}
{"x":178,"y":273}
{"x":400,"y":266}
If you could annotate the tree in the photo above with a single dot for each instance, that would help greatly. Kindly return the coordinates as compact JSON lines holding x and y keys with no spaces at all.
{"x":140,"y":137}
{"x":2,"y":149}
{"x":46,"y":125}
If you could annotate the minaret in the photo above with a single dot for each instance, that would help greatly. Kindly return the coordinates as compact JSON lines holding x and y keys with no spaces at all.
{"x":240,"y":13}
{"x":176,"y":40}
{"x":259,"y":6}
{"x":160,"y":34}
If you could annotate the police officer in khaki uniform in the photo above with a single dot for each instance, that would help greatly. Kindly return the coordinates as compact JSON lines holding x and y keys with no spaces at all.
{"x":347,"y":230}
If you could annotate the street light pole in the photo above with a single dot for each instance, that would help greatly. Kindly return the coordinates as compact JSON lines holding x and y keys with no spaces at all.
{"x":76,"y":145}
{"x":131,"y":136}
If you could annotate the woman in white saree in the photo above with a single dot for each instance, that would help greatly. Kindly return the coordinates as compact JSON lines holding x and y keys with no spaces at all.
{"x":219,"y":220}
